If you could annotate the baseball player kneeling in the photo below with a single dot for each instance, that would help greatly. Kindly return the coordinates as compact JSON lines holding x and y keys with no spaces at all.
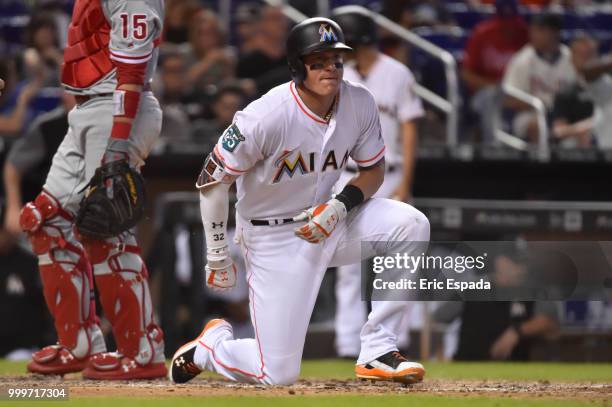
{"x":285,"y":151}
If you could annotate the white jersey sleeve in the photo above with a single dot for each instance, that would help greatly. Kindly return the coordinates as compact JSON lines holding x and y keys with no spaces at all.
{"x":409,"y":104}
{"x":517,"y":73}
{"x":240,"y":146}
{"x":370,"y":147}
{"x":136,"y":26}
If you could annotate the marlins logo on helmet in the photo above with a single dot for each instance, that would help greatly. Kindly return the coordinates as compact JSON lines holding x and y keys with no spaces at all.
{"x":327,"y":33}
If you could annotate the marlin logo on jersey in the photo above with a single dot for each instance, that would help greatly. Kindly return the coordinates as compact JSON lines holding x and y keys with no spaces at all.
{"x":231,"y":138}
{"x":327,"y":33}
{"x":289,"y":166}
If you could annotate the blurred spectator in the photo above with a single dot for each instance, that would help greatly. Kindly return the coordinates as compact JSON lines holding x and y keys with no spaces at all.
{"x":529,"y":3}
{"x":29,"y":159}
{"x":597,"y":73}
{"x":173,"y":97}
{"x":178,"y":13}
{"x":572,"y":114}
{"x":499,"y":330}
{"x":209,"y":61}
{"x":227,"y":101}
{"x":502,"y":330}
{"x":418,"y":13}
{"x":489,"y":49}
{"x":541,"y":69}
{"x":57,"y":10}
{"x":246,"y":19}
{"x":15,"y":100}
{"x":266,"y":61}
{"x":42,"y":57}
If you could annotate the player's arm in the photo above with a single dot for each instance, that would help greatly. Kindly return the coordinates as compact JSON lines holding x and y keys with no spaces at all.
{"x":543,"y":324}
{"x":236,"y":151}
{"x":322,"y":219}
{"x":25,"y":154}
{"x":214,"y":184}
{"x":135,"y":28}
{"x":409,"y":151}
{"x":369,"y":179}
{"x":410,"y":109}
{"x":368,"y":153}
{"x":12,"y":187}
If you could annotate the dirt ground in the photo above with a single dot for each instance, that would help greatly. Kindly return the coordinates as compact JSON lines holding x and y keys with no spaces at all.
{"x":214,"y":387}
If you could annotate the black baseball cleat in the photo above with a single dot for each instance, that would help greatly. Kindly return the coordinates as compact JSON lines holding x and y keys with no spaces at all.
{"x":183,"y":368}
{"x":391,"y":366}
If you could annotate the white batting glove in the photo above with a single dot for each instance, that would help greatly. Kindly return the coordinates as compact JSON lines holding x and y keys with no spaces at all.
{"x":322,"y":220}
{"x":220,"y":269}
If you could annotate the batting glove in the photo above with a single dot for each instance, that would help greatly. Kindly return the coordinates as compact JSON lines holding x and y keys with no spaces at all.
{"x":220,"y":270}
{"x":322,"y":220}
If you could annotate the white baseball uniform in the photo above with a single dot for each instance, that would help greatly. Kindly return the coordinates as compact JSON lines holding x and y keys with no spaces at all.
{"x":288,"y":160}
{"x":391,"y":83}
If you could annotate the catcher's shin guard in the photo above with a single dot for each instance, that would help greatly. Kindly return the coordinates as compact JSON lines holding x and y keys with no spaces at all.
{"x":67,"y":287}
{"x":121,"y":277}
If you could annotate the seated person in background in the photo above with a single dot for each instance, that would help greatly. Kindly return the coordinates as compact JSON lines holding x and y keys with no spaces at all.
{"x":541,"y":69}
{"x":172,"y":95}
{"x":209,"y":60}
{"x":572,"y":113}
{"x":492,"y":44}
{"x":598,"y":76}
{"x":229,"y":99}
{"x":499,"y":330}
{"x":15,"y":110}
{"x":43,"y":56}
{"x":264,"y":61}
{"x":178,"y":13}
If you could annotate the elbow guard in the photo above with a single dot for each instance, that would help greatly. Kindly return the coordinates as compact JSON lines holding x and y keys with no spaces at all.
{"x":213,"y":172}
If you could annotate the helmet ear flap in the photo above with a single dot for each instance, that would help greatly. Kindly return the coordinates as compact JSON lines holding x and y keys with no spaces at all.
{"x":298,"y":70}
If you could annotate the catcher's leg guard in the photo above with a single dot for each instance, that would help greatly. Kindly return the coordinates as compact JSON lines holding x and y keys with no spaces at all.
{"x":67,"y":287}
{"x":121,"y":276}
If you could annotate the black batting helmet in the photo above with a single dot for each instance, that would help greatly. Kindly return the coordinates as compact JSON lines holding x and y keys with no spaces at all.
{"x":357,"y":24}
{"x":312,"y":35}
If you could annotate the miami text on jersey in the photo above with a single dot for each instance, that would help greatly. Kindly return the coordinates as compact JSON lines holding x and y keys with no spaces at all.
{"x":289,"y":166}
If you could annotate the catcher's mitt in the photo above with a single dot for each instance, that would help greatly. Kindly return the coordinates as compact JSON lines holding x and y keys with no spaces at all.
{"x":113,"y":203}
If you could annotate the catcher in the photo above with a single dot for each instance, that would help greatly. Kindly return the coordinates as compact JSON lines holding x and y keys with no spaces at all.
{"x":79,"y":225}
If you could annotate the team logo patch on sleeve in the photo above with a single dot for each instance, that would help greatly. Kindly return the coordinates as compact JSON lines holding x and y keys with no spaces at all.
{"x":231,"y":138}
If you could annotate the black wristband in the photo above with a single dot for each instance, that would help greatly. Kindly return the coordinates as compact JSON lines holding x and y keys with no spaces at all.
{"x":351,"y":196}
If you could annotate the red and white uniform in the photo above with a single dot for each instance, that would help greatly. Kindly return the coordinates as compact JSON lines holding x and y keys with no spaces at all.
{"x":288,"y":160}
{"x":108,"y":40}
{"x":392,"y":85}
{"x":104,"y":32}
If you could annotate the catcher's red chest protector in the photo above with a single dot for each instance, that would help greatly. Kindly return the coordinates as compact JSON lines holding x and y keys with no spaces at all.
{"x":87,"y":57}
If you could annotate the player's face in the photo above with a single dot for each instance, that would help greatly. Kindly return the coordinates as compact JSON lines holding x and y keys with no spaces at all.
{"x":324,"y":72}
